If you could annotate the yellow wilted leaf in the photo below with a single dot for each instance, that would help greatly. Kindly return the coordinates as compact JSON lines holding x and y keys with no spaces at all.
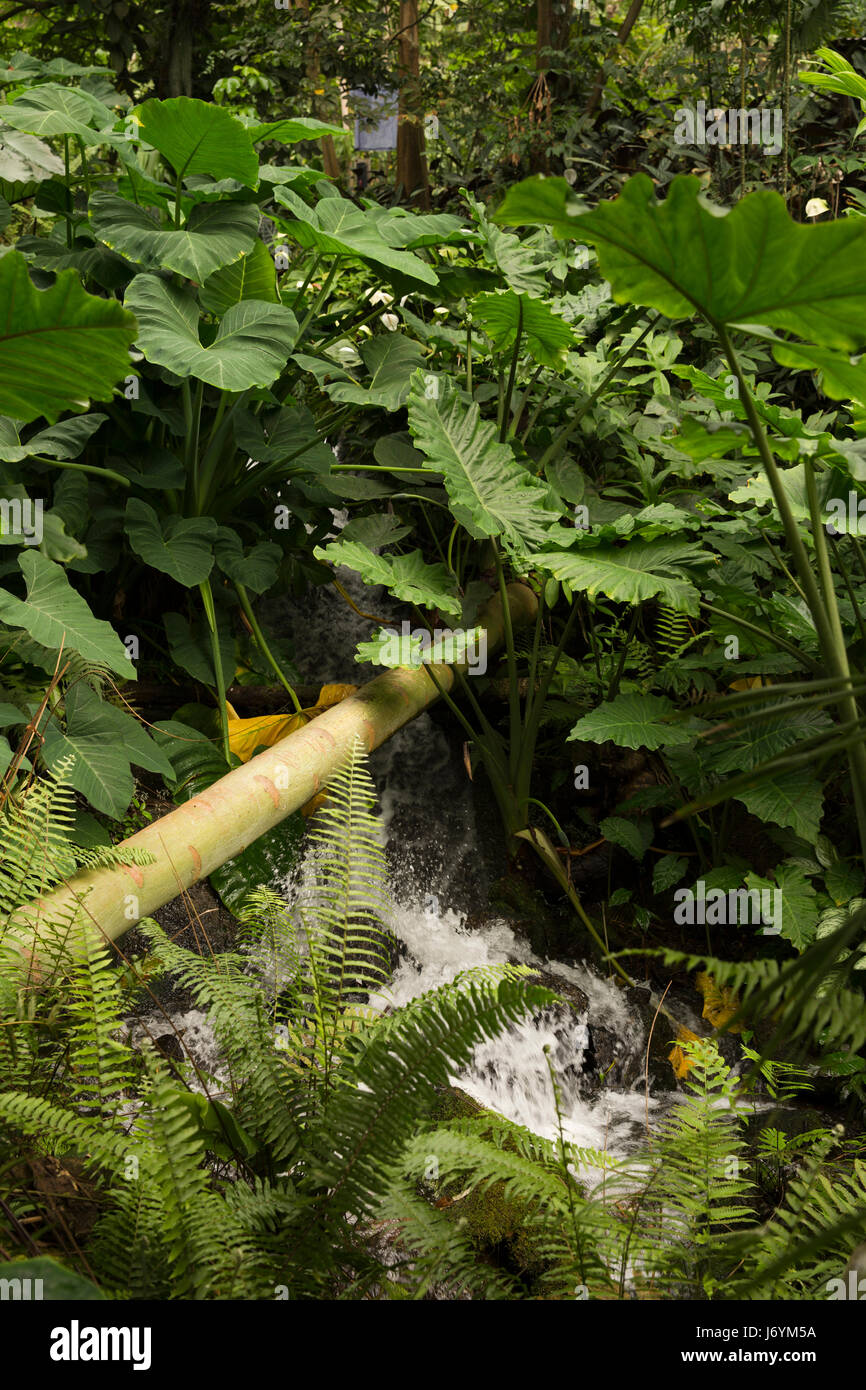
{"x":720,"y":1004}
{"x":679,"y":1060}
{"x":331,"y":695}
{"x":263,"y":731}
{"x":750,"y":683}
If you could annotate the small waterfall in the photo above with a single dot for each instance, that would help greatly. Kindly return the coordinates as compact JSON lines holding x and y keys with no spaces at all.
{"x":444,"y":849}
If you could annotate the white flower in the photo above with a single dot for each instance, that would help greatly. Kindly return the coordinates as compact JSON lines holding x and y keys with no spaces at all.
{"x":815,"y":207}
{"x":391,"y":321}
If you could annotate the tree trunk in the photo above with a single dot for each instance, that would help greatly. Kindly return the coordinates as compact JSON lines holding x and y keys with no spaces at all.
{"x":330,"y":161}
{"x":185,"y":32}
{"x":412,"y":175}
{"x":539,"y":100}
{"x":196,"y":838}
{"x":624,"y":30}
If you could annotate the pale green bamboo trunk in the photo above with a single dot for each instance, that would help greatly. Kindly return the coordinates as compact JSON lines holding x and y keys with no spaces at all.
{"x":196,"y":838}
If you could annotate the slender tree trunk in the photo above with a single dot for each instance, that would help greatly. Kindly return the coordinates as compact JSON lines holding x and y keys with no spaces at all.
{"x":331,"y":163}
{"x":539,"y":100}
{"x":625,"y":29}
{"x":412,"y":175}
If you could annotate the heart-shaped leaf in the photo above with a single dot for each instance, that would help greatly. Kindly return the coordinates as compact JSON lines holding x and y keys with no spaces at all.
{"x":390,"y":359}
{"x":257,"y":568}
{"x":337,"y":227}
{"x":182,"y":548}
{"x":292,"y":131}
{"x":103,"y":740}
{"x":251,"y":347}
{"x":215,"y":234}
{"x":547,"y":336}
{"x":53,"y":110}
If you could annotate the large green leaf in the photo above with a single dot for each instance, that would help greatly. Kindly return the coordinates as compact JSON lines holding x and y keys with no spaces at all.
{"x":390,"y":359}
{"x":104,"y":741}
{"x":197,"y":137}
{"x":490,"y":493}
{"x":53,"y":614}
{"x":519,"y":263}
{"x":631,"y":721}
{"x":547,"y":336}
{"x":797,"y":916}
{"x":792,"y":799}
{"x":214,"y":235}
{"x":252,"y":277}
{"x":192,"y":648}
{"x":841,"y":378}
{"x":62,"y":441}
{"x":752,"y":264}
{"x":288,"y":435}
{"x":183,"y":547}
{"x":59,"y":347}
{"x":53,"y":110}
{"x":629,"y":573}
{"x":25,"y":161}
{"x":405,"y":576}
{"x":292,"y":130}
{"x":337,"y":227}
{"x":256,"y":568}
{"x":251,"y":347}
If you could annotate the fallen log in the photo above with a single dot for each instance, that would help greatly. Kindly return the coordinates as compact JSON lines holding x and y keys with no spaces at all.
{"x":192,"y":841}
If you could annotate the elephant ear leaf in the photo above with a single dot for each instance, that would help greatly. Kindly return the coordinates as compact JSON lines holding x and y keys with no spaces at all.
{"x":197,"y":137}
{"x":251,"y":347}
{"x":59,"y":347}
{"x":752,"y":264}
{"x":491,"y":494}
{"x":183,"y":548}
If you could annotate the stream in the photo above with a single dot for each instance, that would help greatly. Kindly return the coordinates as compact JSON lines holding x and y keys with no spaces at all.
{"x":444,"y":847}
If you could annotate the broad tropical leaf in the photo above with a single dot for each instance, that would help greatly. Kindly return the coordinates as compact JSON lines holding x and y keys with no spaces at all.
{"x":631,"y":721}
{"x":405,"y":576}
{"x":490,"y":493}
{"x":391,"y":360}
{"x":104,"y":741}
{"x":62,"y":441}
{"x":197,"y":137}
{"x":183,"y":547}
{"x":252,"y":277}
{"x":752,"y":264}
{"x":630,"y":573}
{"x":547,"y":336}
{"x":339,"y":228}
{"x":54,"y":614}
{"x":215,"y":235}
{"x":59,"y":347}
{"x":53,"y":110}
{"x":251,"y":347}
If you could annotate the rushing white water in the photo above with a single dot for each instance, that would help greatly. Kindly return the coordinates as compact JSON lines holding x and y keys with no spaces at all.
{"x":444,"y":845}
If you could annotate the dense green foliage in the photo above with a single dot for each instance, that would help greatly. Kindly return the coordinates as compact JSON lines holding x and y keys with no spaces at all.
{"x":585,"y":353}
